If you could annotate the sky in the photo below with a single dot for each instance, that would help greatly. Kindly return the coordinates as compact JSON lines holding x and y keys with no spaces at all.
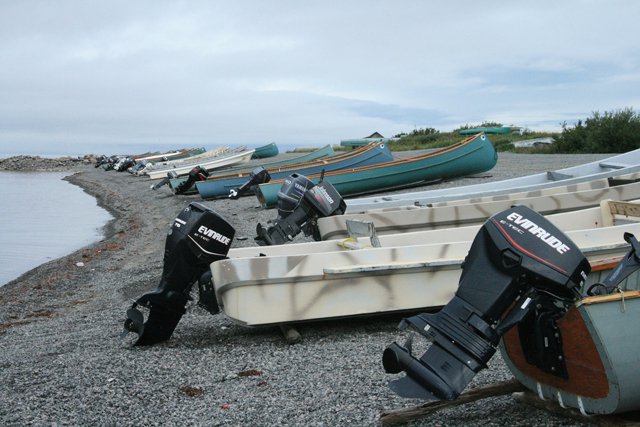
{"x":94,"y":76}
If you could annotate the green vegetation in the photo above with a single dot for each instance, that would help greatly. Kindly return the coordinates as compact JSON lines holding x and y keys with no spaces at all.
{"x":610,"y":132}
{"x":421,"y":139}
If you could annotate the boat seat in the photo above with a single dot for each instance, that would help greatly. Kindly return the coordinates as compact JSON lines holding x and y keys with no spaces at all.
{"x":557,"y":176}
{"x":610,"y":208}
{"x":612,"y":165}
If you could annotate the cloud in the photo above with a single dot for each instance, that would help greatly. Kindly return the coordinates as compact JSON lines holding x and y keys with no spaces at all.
{"x":188,"y":73}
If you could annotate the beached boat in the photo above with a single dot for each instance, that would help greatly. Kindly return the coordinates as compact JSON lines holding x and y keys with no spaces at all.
{"x":452,"y":214}
{"x":411,"y":271}
{"x":320,"y":153}
{"x":167,"y":164}
{"x":264,"y":151}
{"x":600,"y":350}
{"x":226,"y":159}
{"x":473,"y":155}
{"x":171,"y":155}
{"x":616,"y":165}
{"x":221,"y":185}
{"x":489,"y":130}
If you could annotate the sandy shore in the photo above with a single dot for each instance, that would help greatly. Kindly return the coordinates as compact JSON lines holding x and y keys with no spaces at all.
{"x":62,"y":361}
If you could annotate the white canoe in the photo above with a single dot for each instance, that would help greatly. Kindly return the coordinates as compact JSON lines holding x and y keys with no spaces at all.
{"x":616,"y":165}
{"x":208,"y":164}
{"x":448,"y":215}
{"x":167,"y":165}
{"x":320,"y":280}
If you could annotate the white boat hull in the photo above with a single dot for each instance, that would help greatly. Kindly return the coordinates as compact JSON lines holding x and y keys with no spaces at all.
{"x":614,"y":166}
{"x":285,"y":286}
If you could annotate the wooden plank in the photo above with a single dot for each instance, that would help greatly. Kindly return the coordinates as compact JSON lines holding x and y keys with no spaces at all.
{"x":617,"y":296}
{"x":403,"y":415}
{"x":624,"y":208}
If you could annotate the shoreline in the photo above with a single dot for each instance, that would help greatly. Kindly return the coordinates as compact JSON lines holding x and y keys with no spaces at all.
{"x":64,"y":363}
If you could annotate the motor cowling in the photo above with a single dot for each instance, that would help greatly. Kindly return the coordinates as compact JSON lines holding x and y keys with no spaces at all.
{"x":197,"y":174}
{"x":516,"y":257}
{"x":197,"y":237}
{"x":258,"y":176}
{"x":300,"y":204}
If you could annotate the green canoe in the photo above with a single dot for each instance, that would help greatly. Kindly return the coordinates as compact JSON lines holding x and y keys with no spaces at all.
{"x":269,"y":150}
{"x":320,"y":153}
{"x":473,"y":155}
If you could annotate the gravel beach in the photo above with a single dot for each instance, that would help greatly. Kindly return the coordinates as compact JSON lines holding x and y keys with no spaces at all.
{"x":63,"y":362}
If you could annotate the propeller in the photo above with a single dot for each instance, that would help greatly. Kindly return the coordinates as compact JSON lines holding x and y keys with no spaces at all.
{"x":133,"y":323}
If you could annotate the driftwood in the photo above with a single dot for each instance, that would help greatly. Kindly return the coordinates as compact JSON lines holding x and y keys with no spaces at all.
{"x":397,"y":416}
{"x":614,"y":420}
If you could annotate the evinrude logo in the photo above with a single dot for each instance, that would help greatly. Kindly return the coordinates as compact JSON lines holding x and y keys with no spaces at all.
{"x":324,"y":193}
{"x":214,"y":235}
{"x":538,"y":231}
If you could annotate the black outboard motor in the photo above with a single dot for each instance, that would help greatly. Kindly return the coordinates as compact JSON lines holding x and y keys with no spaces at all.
{"x":101,"y":161}
{"x":164,"y":181}
{"x":197,"y":237}
{"x":125,"y":164}
{"x":258,"y":176}
{"x":196,"y":174}
{"x":517,"y":259}
{"x":300,"y":204}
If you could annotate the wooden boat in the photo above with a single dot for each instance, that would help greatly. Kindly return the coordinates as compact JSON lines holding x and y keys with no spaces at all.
{"x":453,"y":214}
{"x":473,"y":155}
{"x":411,"y":271}
{"x":616,"y":165}
{"x":600,"y":349}
{"x":320,"y":153}
{"x":226,"y":159}
{"x":269,"y":150}
{"x":219,"y":186}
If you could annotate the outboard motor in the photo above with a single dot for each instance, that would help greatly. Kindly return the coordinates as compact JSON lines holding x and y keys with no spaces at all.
{"x":101,"y":161}
{"x":197,"y":237}
{"x":111,"y":162}
{"x":300,"y":204}
{"x":258,"y":176}
{"x":164,"y":181}
{"x":196,"y":174}
{"x":520,"y":267}
{"x":124,"y":164}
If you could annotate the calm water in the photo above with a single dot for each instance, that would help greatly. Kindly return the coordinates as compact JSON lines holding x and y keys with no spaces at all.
{"x":43,"y":218}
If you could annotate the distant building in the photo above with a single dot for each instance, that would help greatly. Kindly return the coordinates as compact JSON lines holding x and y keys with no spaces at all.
{"x":357,"y":142}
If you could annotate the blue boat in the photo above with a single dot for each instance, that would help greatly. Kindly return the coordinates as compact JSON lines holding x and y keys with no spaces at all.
{"x":372,"y":154}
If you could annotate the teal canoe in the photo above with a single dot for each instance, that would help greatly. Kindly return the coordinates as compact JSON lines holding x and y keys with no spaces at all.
{"x":372,"y":154}
{"x":320,"y":153}
{"x":269,"y":150}
{"x":487,"y":130}
{"x":473,"y":155}
{"x":358,"y":142}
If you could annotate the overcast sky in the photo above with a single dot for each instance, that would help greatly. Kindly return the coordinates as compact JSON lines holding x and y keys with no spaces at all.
{"x":195,"y":73}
